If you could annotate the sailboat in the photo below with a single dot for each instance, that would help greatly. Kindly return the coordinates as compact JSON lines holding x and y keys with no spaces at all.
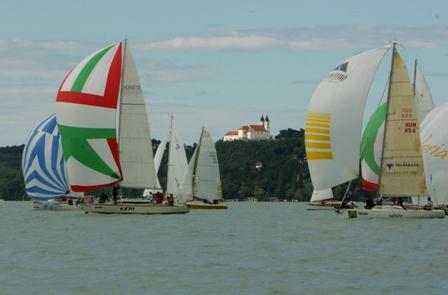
{"x":104,"y":129}
{"x":177,"y":161}
{"x":401,"y":170}
{"x":332,"y":133}
{"x":44,"y":171}
{"x":202,"y":185}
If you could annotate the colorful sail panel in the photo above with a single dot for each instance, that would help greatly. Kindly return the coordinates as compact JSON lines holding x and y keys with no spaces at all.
{"x":334,"y":121}
{"x":43,"y":167}
{"x":86,"y":110}
{"x":402,"y":171}
{"x":371,"y":148}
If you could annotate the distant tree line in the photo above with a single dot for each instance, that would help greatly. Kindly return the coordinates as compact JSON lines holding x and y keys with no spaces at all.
{"x":265,"y":170}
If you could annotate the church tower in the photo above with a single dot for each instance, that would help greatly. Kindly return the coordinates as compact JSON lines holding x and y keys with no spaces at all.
{"x":266,"y":123}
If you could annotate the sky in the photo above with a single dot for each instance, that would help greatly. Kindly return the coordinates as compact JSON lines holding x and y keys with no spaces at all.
{"x":219,"y":64}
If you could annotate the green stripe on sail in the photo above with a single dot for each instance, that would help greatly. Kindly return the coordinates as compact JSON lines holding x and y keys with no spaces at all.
{"x":369,"y":137}
{"x":78,"y":85}
{"x":75,"y":144}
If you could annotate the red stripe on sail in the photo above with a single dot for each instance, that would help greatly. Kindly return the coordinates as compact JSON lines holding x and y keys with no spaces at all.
{"x":369,"y":186}
{"x":113,"y":145}
{"x":86,"y":99}
{"x":89,"y":188}
{"x":113,"y":81}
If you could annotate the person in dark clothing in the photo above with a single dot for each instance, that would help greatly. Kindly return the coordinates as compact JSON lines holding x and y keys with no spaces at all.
{"x":400,"y":203}
{"x":369,"y":203}
{"x":115,"y":190}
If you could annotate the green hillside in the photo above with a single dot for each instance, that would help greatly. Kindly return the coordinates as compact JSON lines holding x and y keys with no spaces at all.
{"x":283,"y":173}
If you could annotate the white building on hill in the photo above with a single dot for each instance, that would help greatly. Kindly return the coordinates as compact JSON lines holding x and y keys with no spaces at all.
{"x":258,"y":131}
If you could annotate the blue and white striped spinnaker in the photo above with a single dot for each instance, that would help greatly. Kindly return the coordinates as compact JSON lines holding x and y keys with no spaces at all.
{"x":43,"y":162}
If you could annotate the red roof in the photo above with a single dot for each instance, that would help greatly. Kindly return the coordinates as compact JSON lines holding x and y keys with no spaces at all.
{"x":257,"y":127}
{"x":231,"y":132}
{"x":244,"y":128}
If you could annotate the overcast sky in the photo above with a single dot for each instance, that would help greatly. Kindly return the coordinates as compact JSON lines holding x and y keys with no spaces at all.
{"x":218,"y":64}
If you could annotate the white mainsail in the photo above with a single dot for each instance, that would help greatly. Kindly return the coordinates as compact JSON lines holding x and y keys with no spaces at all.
{"x":334,"y":121}
{"x":136,"y":156}
{"x":177,"y":162}
{"x":402,"y":171}
{"x":158,"y":159}
{"x":422,"y":93}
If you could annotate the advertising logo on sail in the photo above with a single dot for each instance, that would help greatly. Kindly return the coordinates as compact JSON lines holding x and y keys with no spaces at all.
{"x":339,"y":73}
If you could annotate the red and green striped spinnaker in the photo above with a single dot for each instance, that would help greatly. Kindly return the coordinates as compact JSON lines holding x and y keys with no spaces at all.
{"x":86,"y":110}
{"x":371,"y":149}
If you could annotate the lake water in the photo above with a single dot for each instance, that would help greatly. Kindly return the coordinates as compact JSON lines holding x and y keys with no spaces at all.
{"x":252,"y":248}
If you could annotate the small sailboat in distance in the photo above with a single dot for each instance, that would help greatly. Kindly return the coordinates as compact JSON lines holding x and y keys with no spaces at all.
{"x":44,"y":171}
{"x":202,"y":184}
{"x":104,"y":128}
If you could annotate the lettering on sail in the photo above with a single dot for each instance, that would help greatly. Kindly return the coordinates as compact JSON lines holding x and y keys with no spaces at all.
{"x":435,"y":150}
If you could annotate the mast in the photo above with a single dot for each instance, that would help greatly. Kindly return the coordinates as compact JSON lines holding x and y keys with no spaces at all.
{"x":121,"y":96}
{"x":170,"y":171}
{"x":387,"y":110}
{"x":415,"y":76}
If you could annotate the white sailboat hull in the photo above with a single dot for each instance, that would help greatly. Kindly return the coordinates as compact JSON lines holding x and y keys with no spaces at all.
{"x":120,"y":208}
{"x":393,"y":212}
{"x":53,"y":205}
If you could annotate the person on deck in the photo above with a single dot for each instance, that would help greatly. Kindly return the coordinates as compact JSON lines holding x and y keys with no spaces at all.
{"x":400,"y":203}
{"x":115,"y":190}
{"x":369,"y":203}
{"x":429,"y":204}
{"x":170,"y":200}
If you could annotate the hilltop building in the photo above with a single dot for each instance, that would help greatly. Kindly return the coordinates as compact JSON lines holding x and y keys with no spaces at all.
{"x":260,"y":131}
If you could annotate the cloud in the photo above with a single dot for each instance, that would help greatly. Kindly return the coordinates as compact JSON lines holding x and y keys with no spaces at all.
{"x":40,"y":44}
{"x":243,"y":42}
{"x":305,"y":38}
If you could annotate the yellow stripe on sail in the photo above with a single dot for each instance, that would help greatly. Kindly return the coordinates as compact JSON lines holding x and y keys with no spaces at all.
{"x":317,"y":145}
{"x":317,"y":130}
{"x":319,"y":156}
{"x":317,"y":124}
{"x":317,"y":137}
{"x":318,"y":115}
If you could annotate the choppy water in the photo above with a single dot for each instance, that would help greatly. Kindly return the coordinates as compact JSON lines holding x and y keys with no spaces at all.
{"x":252,"y":248}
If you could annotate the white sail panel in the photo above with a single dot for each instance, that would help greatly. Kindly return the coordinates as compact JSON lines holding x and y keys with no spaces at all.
{"x":207,"y":180}
{"x":402,"y":171}
{"x":135,"y":148}
{"x":422,"y":94}
{"x":334,"y":120}
{"x":324,"y":194}
{"x":177,"y":162}
{"x":158,"y":159}
{"x":434,"y":136}
{"x":186,"y":193}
